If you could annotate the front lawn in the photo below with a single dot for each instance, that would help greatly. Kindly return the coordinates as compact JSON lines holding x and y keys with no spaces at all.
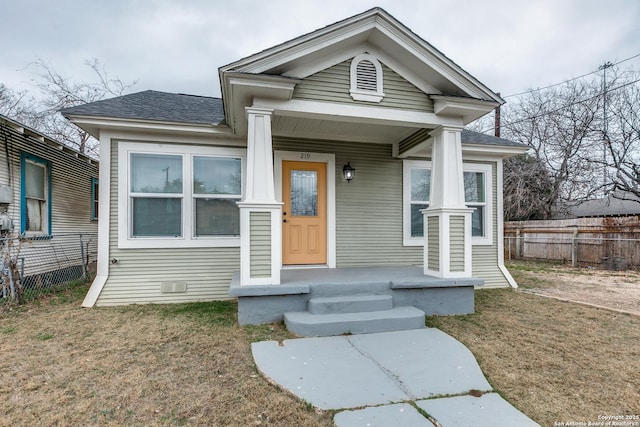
{"x":190,"y":364}
{"x":558,"y":362}
{"x":186,"y":364}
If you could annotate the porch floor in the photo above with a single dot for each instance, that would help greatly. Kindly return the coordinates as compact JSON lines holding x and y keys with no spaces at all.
{"x":301,"y":280}
{"x":398,"y":276}
{"x":343,"y":290}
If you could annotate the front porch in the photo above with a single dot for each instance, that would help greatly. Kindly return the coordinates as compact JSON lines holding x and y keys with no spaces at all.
{"x":354,"y":300}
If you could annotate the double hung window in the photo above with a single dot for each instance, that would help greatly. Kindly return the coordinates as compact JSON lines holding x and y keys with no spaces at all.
{"x":180,"y":196}
{"x":417,"y":189}
{"x":35,"y":195}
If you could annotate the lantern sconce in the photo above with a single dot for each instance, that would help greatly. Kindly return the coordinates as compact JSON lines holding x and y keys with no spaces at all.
{"x":348,"y":172}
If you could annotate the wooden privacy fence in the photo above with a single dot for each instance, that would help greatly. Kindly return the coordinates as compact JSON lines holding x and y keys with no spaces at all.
{"x":611,"y":243}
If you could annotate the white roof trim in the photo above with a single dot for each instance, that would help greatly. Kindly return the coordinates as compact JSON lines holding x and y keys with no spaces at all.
{"x":373,"y":27}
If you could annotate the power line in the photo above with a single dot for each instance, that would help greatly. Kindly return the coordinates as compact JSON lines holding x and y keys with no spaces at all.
{"x":544,"y":113}
{"x":572,"y":79}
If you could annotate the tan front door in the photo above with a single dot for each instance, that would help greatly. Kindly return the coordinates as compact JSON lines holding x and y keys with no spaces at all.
{"x":304,"y":214}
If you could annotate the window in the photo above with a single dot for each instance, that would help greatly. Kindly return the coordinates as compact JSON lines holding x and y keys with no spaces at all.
{"x":474,"y":196}
{"x":178,"y":196}
{"x":366,"y":78}
{"x":94,"y":198}
{"x":416,"y":184}
{"x":155,"y":194}
{"x":217,"y":187}
{"x":35,"y":215}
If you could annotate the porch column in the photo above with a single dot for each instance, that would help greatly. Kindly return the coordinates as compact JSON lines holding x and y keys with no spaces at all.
{"x":260,"y":213}
{"x":447,"y":220}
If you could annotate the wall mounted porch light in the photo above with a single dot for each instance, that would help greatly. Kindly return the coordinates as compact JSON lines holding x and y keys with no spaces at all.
{"x":348,"y":172}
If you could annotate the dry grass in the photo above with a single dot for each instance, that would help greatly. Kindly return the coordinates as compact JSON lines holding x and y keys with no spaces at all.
{"x":618,"y":290}
{"x":190,"y":364}
{"x":555,"y":361}
{"x":140,"y":365}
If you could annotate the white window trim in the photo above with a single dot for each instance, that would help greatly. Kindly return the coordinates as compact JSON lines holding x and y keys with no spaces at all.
{"x":366,"y":95}
{"x":487,"y":239}
{"x":187,"y":240}
{"x":408,"y":240}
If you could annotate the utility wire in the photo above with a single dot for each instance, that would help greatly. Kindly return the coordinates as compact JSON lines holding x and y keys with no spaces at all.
{"x":544,"y":113}
{"x":570,"y":80}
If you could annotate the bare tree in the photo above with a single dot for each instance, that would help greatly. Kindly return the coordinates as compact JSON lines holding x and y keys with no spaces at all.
{"x":528,"y":189}
{"x":558,"y":124}
{"x":621,"y":134}
{"x":20,"y":106}
{"x":59,"y":92}
{"x":40,"y":109}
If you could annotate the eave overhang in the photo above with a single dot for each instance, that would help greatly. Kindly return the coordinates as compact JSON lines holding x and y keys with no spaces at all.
{"x":502,"y":151}
{"x":467,"y":108}
{"x":240,"y":89}
{"x":95,"y":125}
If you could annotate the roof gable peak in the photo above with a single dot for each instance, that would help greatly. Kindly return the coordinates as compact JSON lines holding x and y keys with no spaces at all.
{"x":374,"y":31}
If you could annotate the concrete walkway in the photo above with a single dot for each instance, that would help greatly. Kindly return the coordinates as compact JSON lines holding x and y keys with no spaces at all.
{"x":388,"y":379}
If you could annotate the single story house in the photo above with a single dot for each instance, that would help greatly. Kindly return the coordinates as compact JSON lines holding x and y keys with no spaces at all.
{"x":619,"y":203}
{"x":342,"y":149}
{"x":49,"y":195}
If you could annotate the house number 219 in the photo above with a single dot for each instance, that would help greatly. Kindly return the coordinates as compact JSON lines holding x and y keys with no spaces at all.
{"x":305,"y":156}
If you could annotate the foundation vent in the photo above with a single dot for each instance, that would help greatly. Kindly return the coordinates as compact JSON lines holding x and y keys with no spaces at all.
{"x":173,"y":287}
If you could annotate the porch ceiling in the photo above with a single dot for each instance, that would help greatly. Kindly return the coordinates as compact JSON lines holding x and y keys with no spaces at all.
{"x":338,"y":130}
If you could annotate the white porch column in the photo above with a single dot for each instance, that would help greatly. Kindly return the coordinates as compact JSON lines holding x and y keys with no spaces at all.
{"x":260,"y":213}
{"x":447,"y":220}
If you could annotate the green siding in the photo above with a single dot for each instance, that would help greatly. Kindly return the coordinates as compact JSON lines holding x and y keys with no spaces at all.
{"x":368,"y":232}
{"x":137,"y":277}
{"x":369,"y":209}
{"x":456,"y":243}
{"x":485,"y":257}
{"x":260,"y":230}
{"x":433,"y":233}
{"x":333,"y":84}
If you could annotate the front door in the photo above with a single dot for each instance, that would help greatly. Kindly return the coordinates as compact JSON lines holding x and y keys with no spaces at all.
{"x":304,"y":214}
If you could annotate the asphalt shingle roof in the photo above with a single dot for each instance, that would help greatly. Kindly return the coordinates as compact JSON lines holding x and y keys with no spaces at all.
{"x":618,"y":204}
{"x":181,"y":108}
{"x":472,"y":137}
{"x":154,"y":105}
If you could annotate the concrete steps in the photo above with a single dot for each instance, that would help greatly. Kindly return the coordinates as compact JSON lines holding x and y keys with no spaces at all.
{"x":352,"y":314}
{"x":350,"y":304}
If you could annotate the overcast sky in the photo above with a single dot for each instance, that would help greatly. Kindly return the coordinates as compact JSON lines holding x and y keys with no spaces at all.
{"x":177,"y":46}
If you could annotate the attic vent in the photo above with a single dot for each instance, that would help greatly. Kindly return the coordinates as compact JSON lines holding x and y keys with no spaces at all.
{"x":366,"y":78}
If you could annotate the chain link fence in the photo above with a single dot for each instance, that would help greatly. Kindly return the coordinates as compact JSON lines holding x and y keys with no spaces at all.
{"x":31,"y":266}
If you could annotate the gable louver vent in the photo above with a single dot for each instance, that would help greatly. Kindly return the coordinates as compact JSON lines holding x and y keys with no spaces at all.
{"x":366,"y":78}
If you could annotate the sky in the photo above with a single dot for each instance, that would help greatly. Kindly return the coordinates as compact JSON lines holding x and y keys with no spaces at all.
{"x":177,"y":46}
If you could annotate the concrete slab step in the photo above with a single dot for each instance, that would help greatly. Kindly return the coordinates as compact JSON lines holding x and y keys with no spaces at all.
{"x":371,"y":287}
{"x":350,"y":304}
{"x":306,"y":324}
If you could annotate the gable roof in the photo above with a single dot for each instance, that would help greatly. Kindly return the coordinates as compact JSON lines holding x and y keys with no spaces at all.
{"x":155,"y":106}
{"x":376,"y":31}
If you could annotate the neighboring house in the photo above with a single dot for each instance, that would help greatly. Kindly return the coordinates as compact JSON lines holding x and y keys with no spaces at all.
{"x":48,"y":190}
{"x":619,"y":204}
{"x":197,"y":188}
